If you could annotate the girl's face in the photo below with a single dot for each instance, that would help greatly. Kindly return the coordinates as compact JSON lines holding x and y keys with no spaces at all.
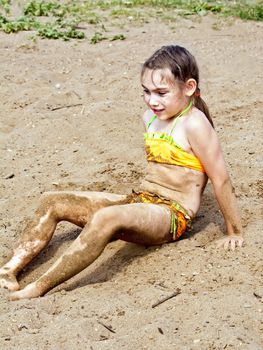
{"x":162,"y":94}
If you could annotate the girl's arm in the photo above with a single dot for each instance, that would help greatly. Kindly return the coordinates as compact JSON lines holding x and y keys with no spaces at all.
{"x":205,"y":144}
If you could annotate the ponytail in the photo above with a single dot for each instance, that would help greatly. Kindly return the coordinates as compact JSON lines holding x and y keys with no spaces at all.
{"x":200,"y":104}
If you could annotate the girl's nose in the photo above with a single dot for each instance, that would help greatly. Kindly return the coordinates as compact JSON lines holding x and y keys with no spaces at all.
{"x":153,"y":102}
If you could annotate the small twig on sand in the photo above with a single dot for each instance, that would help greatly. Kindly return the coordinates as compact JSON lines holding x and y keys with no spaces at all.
{"x":107,"y":327}
{"x":82,"y":111}
{"x":68,"y":106}
{"x":178,"y":291}
{"x":78,"y":95}
{"x":257,"y":295}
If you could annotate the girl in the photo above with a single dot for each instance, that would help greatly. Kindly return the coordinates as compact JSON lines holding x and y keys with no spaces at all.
{"x":182,"y":151}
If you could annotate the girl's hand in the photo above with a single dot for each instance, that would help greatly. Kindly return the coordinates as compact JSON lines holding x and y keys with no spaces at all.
{"x":231,"y":241}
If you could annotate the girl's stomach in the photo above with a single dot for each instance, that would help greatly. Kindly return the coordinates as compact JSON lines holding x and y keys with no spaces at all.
{"x":180,"y":184}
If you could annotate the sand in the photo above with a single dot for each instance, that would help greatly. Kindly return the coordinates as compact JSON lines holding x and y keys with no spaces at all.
{"x":70,"y":119}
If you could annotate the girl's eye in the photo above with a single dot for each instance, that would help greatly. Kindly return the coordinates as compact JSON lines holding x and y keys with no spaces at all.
{"x":162,"y":93}
{"x":146,"y":92}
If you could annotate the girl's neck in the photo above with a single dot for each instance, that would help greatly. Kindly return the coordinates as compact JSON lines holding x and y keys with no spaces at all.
{"x":187,"y":108}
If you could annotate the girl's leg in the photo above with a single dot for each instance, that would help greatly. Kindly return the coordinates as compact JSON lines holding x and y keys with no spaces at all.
{"x":146,"y":224}
{"x":75,"y":207}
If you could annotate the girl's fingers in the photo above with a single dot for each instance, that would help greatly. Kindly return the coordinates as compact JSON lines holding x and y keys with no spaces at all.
{"x":233,"y":244}
{"x":240,"y":242}
{"x":230,"y":242}
{"x":226,"y":244}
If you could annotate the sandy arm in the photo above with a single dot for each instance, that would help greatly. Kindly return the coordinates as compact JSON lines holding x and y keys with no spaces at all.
{"x":206,"y":146}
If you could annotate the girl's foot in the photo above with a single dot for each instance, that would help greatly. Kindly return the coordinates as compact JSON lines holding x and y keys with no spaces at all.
{"x":8,"y":281}
{"x":30,"y":291}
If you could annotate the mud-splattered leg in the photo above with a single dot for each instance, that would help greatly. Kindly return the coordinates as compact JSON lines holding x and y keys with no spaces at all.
{"x":146,"y":224}
{"x":75,"y":207}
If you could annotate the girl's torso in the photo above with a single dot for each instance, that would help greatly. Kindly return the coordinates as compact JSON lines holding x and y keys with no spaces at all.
{"x":173,"y":169}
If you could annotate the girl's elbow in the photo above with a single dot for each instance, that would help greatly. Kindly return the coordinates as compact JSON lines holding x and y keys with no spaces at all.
{"x":222,"y":182}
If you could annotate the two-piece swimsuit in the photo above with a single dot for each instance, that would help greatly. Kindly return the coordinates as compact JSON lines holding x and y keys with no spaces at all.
{"x":160,"y":147}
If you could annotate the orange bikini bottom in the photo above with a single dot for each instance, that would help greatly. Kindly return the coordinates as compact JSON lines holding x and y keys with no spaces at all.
{"x":180,"y":219}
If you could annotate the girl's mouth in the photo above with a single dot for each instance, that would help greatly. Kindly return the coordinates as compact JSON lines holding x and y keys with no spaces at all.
{"x":157,"y":111}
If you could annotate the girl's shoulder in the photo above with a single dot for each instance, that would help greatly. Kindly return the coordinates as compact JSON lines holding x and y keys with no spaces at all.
{"x":197,"y":120}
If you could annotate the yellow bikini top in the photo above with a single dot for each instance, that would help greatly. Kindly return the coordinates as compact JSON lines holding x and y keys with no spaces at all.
{"x":160,"y":147}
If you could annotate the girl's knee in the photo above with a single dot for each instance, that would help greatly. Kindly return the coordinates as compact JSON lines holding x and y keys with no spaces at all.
{"x":48,"y":203}
{"x":47,"y":197}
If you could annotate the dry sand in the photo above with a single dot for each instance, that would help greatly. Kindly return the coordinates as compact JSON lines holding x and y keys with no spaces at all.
{"x":95,"y":142}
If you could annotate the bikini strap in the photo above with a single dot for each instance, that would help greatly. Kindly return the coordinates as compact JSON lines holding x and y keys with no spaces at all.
{"x":180,"y":115}
{"x":151,"y":121}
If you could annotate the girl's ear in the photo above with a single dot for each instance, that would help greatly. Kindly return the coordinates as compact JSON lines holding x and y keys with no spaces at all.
{"x":190,"y":87}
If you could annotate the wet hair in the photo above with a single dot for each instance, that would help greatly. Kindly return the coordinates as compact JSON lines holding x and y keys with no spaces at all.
{"x":183,"y":66}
